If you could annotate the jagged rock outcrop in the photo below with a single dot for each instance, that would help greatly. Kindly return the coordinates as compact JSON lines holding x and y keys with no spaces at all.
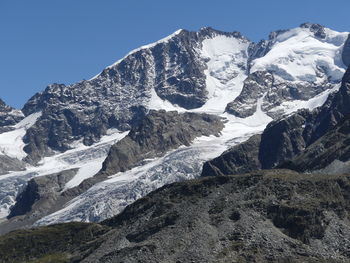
{"x":41,"y":196}
{"x":266,"y":216}
{"x":241,"y":158}
{"x":329,"y":153}
{"x":254,"y":88}
{"x":302,"y":134}
{"x":158,"y":133}
{"x":8,"y":116}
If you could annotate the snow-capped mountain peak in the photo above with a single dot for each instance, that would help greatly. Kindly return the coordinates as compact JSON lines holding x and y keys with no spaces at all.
{"x":223,"y":73}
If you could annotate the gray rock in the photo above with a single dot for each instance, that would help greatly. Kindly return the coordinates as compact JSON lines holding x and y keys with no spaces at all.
{"x":41,"y":196}
{"x":10,"y":164}
{"x":333,"y":146}
{"x":239,"y":159}
{"x":255,"y":86}
{"x":158,"y":133}
{"x":8,"y":116}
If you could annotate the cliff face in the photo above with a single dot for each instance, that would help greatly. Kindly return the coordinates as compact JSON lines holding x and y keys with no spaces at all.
{"x":267,"y":216}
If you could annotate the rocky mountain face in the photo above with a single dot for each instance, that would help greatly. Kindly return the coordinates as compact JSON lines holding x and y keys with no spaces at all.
{"x":171,"y":70}
{"x":105,"y":130}
{"x":266,"y":216}
{"x":305,"y":141}
{"x":278,"y":78}
{"x":158,"y":133}
{"x":186,"y":70}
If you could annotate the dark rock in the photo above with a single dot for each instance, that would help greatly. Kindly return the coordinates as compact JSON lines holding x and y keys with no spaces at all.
{"x":346,"y":52}
{"x":8,"y":116}
{"x":40,"y":196}
{"x":239,"y":159}
{"x":255,"y":86}
{"x":317,"y":29}
{"x":265,"y":216}
{"x":333,"y":146}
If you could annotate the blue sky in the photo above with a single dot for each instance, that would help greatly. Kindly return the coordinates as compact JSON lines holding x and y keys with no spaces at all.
{"x":47,"y":41}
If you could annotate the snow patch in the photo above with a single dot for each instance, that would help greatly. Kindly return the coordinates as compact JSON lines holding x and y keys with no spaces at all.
{"x":227,"y":69}
{"x":11,"y":143}
{"x":297,"y":55}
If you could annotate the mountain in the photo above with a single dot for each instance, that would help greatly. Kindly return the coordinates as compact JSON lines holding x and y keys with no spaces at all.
{"x":305,"y":141}
{"x":91,"y":148}
{"x":265,"y":216}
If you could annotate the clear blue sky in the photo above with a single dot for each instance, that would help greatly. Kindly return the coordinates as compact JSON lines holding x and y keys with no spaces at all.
{"x":64,"y":41}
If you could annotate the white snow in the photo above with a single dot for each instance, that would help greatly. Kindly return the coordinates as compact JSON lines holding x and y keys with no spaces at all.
{"x":156,"y":103}
{"x":88,"y":170}
{"x":88,"y":159}
{"x":11,"y":143}
{"x":297,"y":56}
{"x":227,"y":69}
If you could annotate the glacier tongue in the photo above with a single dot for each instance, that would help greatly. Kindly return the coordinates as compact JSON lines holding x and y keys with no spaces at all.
{"x":11,"y":143}
{"x":88,"y":159}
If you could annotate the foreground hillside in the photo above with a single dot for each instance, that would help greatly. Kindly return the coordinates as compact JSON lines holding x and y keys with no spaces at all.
{"x":265,"y":216}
